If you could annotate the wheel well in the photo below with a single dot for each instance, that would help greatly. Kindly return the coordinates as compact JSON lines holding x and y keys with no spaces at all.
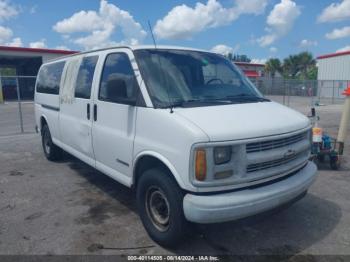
{"x":42,"y":122}
{"x":145,"y":163}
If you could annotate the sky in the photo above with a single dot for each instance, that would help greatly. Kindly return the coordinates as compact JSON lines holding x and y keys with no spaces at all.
{"x":261,"y":29}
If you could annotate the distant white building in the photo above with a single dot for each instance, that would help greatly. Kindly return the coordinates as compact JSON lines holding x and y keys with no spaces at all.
{"x":334,"y":73}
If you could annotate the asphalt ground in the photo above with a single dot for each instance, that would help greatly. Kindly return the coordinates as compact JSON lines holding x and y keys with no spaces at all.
{"x":69,"y":208}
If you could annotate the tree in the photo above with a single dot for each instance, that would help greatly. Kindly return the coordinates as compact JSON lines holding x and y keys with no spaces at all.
{"x":238,"y":58}
{"x":291,"y":66}
{"x":273,"y":66}
{"x":312,"y":72}
{"x":306,"y":63}
{"x":302,"y":66}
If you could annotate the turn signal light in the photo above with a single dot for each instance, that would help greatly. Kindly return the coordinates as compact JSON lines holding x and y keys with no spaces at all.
{"x":201,"y":165}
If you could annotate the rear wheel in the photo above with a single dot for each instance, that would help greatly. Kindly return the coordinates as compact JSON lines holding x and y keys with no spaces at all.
{"x":51,"y":151}
{"x":159,"y":201}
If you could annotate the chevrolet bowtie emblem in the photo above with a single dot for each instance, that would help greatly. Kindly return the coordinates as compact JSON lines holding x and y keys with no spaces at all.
{"x":290,"y":153}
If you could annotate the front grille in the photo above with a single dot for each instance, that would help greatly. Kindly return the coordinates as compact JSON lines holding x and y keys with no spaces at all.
{"x":276,"y":143}
{"x":273,"y":163}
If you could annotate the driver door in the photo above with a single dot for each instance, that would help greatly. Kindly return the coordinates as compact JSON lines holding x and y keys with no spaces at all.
{"x":114,"y":117}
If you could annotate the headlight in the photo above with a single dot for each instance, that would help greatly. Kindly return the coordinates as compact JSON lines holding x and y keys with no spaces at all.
{"x":222,"y":154}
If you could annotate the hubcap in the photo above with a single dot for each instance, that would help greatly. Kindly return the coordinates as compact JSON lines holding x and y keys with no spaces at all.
{"x":158,"y":209}
{"x":47,"y":144}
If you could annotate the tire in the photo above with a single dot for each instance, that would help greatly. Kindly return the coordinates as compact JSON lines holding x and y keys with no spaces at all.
{"x":160,"y":206}
{"x":321,"y":158}
{"x":51,"y":151}
{"x":334,"y":162}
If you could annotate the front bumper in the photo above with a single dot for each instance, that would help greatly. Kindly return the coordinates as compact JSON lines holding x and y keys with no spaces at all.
{"x":247,"y":202}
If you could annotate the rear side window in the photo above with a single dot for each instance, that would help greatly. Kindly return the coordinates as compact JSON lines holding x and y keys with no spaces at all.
{"x":118,"y":81}
{"x":85,"y":77}
{"x":49,"y":78}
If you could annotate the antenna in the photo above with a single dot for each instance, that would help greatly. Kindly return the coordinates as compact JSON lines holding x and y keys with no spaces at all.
{"x":150,"y":29}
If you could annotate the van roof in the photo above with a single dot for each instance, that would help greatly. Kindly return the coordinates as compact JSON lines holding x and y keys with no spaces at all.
{"x":131,"y":47}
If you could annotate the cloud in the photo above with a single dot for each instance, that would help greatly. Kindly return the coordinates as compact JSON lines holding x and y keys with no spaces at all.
{"x":339,"y":33}
{"x":258,"y":61}
{"x":280,"y":21}
{"x":224,"y":49}
{"x":5,"y":34}
{"x":344,"y":49}
{"x":16,"y":42}
{"x":33,"y":9}
{"x":182,"y":22}
{"x":307,"y":43}
{"x":83,"y":21}
{"x":100,"y":27}
{"x":38,"y":44}
{"x":335,"y":12}
{"x":62,"y":47}
{"x":273,"y":49}
{"x":7,"y":10}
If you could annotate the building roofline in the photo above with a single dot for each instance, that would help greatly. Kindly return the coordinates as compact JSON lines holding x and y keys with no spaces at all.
{"x":333,"y":55}
{"x":37,"y":50}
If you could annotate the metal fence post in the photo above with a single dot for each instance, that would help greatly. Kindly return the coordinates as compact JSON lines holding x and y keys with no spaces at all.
{"x":1,"y":92}
{"x":284,"y":91}
{"x":19,"y":105}
{"x":288,"y":96}
{"x":333,"y":92}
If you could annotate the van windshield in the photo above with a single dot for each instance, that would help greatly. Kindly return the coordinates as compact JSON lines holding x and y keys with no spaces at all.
{"x":181,"y":78}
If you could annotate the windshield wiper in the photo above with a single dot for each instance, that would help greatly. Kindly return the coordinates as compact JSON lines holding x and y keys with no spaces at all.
{"x":246,"y":97}
{"x":184,"y":103}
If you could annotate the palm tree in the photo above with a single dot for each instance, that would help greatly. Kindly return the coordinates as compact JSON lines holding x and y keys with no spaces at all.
{"x":291,"y":66}
{"x":306,"y":63}
{"x":299,"y":64}
{"x":272,"y":66}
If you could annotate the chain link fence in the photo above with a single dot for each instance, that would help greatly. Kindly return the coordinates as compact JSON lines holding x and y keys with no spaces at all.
{"x":16,"y":104}
{"x":313,"y":92}
{"x":17,"y":109}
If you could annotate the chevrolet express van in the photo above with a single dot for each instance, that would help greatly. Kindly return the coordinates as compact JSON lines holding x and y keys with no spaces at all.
{"x":183,"y":127}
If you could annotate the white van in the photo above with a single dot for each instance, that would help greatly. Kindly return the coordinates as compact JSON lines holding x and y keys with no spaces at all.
{"x":184,"y":127}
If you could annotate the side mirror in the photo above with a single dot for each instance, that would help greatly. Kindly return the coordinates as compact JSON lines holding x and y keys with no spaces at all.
{"x":117,"y":92}
{"x":128,"y":101}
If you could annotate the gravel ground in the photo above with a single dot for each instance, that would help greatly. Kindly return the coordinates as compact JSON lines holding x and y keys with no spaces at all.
{"x":70,"y":208}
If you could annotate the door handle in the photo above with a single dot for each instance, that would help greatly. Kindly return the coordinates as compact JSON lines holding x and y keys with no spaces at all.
{"x":95,"y":112}
{"x":88,"y":111}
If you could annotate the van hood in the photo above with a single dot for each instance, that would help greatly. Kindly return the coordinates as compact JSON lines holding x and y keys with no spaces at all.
{"x":244,"y":121}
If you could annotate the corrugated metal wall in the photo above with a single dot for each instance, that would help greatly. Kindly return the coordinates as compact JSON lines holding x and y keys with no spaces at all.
{"x":334,"y":68}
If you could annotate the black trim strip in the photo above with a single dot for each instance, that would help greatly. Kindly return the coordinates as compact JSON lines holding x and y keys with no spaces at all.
{"x":248,"y":187}
{"x":57,"y":109}
{"x":122,"y":162}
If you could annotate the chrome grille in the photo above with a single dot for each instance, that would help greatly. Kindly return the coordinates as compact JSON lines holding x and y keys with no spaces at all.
{"x":274,"y":163}
{"x":276,"y":143}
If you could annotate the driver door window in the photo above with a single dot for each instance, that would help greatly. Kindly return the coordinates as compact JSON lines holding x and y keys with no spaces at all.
{"x":118,"y":82}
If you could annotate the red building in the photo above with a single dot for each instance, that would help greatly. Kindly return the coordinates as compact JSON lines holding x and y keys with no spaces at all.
{"x":251,"y":70}
{"x":24,"y":62}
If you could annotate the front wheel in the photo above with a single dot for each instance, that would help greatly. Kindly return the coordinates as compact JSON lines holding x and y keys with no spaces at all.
{"x":159,"y":201}
{"x":334,"y":162}
{"x":51,"y":151}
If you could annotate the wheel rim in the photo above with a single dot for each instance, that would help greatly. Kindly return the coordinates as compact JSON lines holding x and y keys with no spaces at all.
{"x":47,"y":143}
{"x":158,"y":209}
